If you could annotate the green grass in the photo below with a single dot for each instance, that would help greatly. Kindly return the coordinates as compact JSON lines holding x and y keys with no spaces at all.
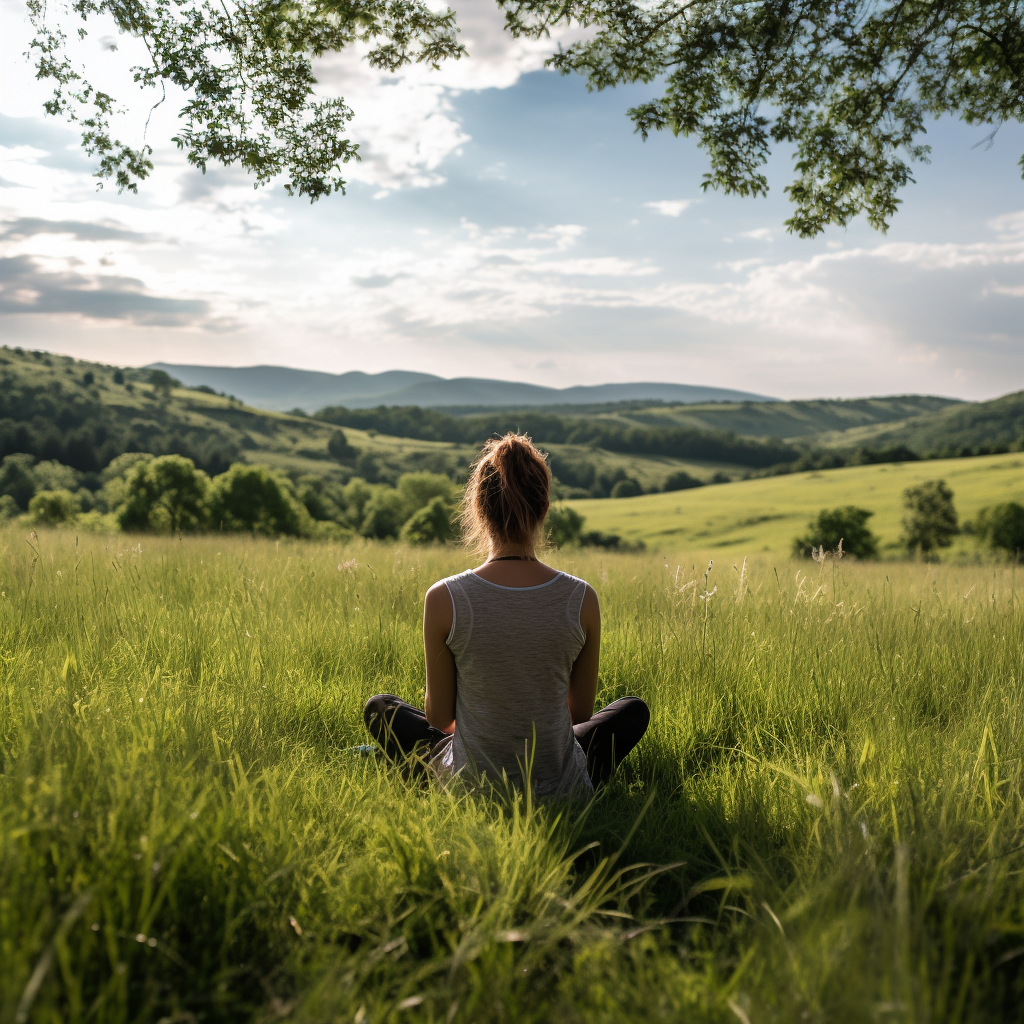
{"x":766,"y":514}
{"x":829,"y":800}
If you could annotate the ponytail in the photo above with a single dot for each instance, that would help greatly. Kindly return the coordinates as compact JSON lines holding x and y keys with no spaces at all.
{"x":508,"y":493}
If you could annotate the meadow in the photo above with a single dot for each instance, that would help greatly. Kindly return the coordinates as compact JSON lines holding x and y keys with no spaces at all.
{"x":824,"y":823}
{"x":765,"y":514}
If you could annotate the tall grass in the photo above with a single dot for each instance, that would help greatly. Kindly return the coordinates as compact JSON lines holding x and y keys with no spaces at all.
{"x":824,"y":823}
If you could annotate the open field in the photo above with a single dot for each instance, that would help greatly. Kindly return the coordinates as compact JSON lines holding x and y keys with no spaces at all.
{"x":829,"y":801}
{"x":766,"y":514}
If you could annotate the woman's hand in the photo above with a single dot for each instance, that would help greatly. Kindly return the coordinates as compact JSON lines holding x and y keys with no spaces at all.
{"x":583,"y":678}
{"x":438,"y":617}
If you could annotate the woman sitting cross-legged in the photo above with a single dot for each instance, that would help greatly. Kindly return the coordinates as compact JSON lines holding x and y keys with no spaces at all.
{"x":512,"y":651}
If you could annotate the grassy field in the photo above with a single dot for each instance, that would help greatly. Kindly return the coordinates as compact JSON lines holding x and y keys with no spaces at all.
{"x":764,"y":515}
{"x":824,"y":823}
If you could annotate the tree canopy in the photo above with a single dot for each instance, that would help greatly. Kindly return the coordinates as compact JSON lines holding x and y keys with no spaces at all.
{"x":846,"y":85}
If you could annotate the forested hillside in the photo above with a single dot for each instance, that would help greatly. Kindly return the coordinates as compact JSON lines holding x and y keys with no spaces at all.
{"x":975,"y":428}
{"x":611,"y":434}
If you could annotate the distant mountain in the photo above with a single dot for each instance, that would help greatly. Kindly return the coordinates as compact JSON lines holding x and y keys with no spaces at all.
{"x":281,"y":388}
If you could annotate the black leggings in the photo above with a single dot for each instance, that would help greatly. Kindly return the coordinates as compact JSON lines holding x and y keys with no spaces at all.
{"x":606,"y":739}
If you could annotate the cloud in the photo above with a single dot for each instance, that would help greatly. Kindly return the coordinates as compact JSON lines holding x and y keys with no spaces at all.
{"x":26,"y":287}
{"x":758,"y":235}
{"x":24,"y":228}
{"x":669,"y":207}
{"x":376,"y":280}
{"x":404,"y":122}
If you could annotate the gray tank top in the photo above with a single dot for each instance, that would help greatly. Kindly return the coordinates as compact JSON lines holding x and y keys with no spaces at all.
{"x":514,"y":648}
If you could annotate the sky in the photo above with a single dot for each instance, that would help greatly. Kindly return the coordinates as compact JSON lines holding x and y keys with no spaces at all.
{"x":504,"y":222}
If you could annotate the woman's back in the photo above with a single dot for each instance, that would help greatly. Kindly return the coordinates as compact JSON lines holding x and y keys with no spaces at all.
{"x":514,"y":649}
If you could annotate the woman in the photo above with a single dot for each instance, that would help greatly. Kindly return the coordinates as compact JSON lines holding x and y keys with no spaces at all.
{"x":512,"y":651}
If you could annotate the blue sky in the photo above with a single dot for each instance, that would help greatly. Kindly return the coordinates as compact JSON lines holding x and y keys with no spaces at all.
{"x":507,"y":223}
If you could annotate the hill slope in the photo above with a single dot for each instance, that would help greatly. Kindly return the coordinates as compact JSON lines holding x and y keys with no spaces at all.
{"x":765,"y":514}
{"x":962,"y":429}
{"x":281,"y":388}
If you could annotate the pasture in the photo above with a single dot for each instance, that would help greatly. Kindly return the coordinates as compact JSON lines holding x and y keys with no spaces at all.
{"x":824,"y":823}
{"x":765,"y":514}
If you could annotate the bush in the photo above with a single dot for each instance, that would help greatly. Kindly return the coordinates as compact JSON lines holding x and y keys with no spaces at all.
{"x":930,"y":519}
{"x":165,"y":495}
{"x":680,"y":481}
{"x":251,"y":499}
{"x":628,"y":488}
{"x":564,"y":527}
{"x":1002,"y":527}
{"x":385,"y":514}
{"x":53,"y":508}
{"x":832,"y":525}
{"x":431,"y":524}
{"x":8,"y":508}
{"x":118,"y":376}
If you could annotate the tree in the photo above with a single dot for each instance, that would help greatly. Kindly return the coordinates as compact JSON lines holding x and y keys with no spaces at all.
{"x":339,"y":449}
{"x":832,"y":525}
{"x":419,"y":489}
{"x":250,"y":499}
{"x":847,"y":85}
{"x":53,"y":508}
{"x":1002,"y":527}
{"x":385,"y":513}
{"x":628,"y":488}
{"x":930,"y":519}
{"x":166,"y":495}
{"x":432,"y":524}
{"x":8,"y":507}
{"x":680,"y":481}
{"x":17,"y":478}
{"x":246,"y":71}
{"x":563,"y":527}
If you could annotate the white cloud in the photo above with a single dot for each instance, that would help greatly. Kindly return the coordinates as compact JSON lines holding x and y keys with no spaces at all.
{"x":758,"y":235}
{"x":669,"y":207}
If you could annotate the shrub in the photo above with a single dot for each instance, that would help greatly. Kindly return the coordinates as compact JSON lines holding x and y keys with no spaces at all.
{"x":832,"y":525}
{"x":118,"y":376}
{"x":53,"y":508}
{"x":251,"y":499}
{"x":680,"y":481}
{"x":385,"y":514}
{"x":930,"y":519}
{"x":88,"y":378}
{"x":564,"y":526}
{"x":628,"y":488}
{"x":1002,"y":527}
{"x":431,"y":524}
{"x":356,"y":495}
{"x":166,"y":495}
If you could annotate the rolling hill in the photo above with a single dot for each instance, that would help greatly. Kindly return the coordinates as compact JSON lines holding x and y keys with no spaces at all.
{"x":280,"y":388}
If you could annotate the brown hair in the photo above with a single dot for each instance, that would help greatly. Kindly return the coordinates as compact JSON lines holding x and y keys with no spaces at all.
{"x":507,"y":496}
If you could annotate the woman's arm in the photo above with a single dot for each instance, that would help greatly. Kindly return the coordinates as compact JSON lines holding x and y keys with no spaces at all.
{"x":583,"y":679}
{"x":438,"y":616}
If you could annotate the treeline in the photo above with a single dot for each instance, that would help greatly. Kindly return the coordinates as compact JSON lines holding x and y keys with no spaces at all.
{"x":866,"y":456}
{"x":547,"y":428}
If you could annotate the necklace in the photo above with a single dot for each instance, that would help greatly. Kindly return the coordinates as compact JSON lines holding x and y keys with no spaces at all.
{"x":513,"y":558}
